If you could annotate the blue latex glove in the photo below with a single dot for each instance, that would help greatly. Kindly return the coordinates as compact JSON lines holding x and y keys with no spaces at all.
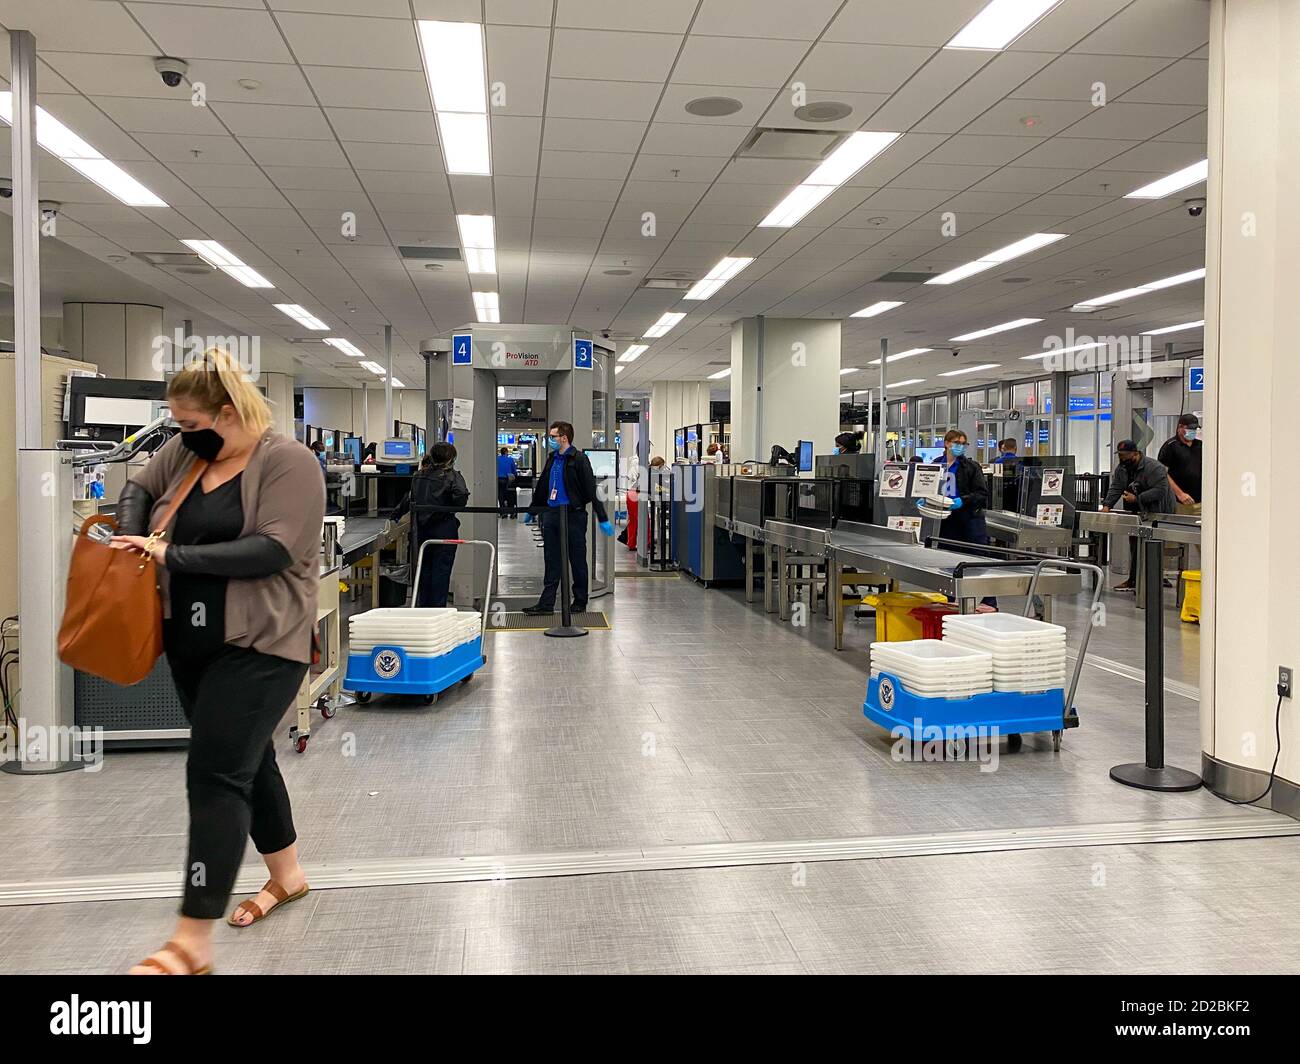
{"x":607,"y":528}
{"x":956,"y":503}
{"x":918,"y":503}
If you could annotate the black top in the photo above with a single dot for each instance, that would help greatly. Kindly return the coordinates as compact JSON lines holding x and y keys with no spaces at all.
{"x":197,"y":625}
{"x":579,"y":484}
{"x":439,"y":486}
{"x":1184,"y":464}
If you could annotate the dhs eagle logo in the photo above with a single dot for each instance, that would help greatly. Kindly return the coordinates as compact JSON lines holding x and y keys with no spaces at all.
{"x":386,"y":663}
{"x":886,"y":694}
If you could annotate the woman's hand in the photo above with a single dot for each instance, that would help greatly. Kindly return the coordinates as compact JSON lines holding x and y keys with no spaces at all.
{"x":141,"y":543}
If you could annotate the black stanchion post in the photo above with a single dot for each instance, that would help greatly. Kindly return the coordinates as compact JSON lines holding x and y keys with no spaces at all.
{"x":1154,"y":774}
{"x":567,"y":629}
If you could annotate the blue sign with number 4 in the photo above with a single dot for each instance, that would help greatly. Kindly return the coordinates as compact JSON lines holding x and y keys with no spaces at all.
{"x":462,"y":350}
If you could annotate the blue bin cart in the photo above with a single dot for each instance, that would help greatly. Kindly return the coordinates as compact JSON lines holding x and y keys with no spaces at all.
{"x":392,"y":669}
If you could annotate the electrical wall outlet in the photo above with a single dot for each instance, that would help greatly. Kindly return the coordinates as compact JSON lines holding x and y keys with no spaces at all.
{"x":1284,"y":681}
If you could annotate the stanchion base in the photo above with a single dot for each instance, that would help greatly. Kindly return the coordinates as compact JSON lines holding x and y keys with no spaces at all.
{"x":20,"y":768}
{"x":565,"y":631}
{"x":1155,"y":779}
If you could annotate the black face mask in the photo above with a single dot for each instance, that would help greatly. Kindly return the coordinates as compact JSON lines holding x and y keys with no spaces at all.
{"x":205,"y":443}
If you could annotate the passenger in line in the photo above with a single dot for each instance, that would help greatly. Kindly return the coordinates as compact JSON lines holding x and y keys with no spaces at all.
{"x":438,"y":483}
{"x":507,"y":477}
{"x":848,"y":443}
{"x":1181,"y":455}
{"x":1143,"y":484}
{"x":566,"y":480}
{"x":238,"y":574}
{"x":1006,"y":451}
{"x":713,"y":453}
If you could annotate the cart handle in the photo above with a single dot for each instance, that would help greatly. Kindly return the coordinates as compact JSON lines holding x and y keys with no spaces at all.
{"x":1067,"y":566}
{"x":492,"y":565}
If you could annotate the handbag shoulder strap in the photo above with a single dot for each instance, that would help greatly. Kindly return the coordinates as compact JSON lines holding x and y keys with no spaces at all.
{"x":182,"y":492}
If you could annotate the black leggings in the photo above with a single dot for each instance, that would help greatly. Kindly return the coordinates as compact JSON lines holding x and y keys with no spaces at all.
{"x":234,"y":701}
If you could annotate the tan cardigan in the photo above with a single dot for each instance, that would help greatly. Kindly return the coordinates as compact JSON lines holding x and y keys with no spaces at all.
{"x":283,"y":496}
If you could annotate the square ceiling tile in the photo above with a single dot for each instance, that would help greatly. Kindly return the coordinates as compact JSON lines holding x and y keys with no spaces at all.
{"x":605,"y":55}
{"x":212,"y":33}
{"x":351,"y":41}
{"x":870,"y":68}
{"x":752,"y":62}
{"x":672,"y":16}
{"x":76,"y":26}
{"x":369,"y":125}
{"x":392,"y":90}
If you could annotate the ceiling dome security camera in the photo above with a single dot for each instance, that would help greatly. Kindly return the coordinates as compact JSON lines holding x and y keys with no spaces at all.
{"x":172,"y":71}
{"x":1194,"y":207}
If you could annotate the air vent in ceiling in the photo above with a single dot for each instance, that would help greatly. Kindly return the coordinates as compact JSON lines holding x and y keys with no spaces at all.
{"x":175,"y":262}
{"x":425,"y":253}
{"x":905,"y":277}
{"x":670,"y":283}
{"x":808,"y":144}
{"x":1016,"y":280}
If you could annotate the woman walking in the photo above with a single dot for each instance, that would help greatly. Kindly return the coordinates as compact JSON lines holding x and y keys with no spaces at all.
{"x":238,"y":574}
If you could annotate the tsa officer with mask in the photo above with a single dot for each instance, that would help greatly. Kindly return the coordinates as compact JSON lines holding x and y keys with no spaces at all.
{"x":964,"y":484}
{"x":1181,"y":456}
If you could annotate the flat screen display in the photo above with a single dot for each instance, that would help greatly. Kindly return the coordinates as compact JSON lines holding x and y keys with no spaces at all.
{"x":352,"y":445}
{"x":805,"y":456}
{"x":604,"y":463}
{"x":397,"y":450}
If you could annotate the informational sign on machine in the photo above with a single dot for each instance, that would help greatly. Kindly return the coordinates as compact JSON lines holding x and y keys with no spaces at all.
{"x":1049,"y":514}
{"x":926,"y":480}
{"x":1053,"y":483}
{"x":582,"y":358}
{"x":1196,"y":379}
{"x":906,"y":524}
{"x":893,"y":483}
{"x":462,"y":350}
{"x":462,"y":414}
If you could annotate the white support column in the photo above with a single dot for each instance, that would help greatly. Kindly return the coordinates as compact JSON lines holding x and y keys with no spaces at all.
{"x":26,"y":240}
{"x":1250,"y":580}
{"x":388,"y":381}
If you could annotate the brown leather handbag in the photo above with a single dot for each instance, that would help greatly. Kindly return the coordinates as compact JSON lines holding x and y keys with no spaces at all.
{"x":112,"y":619}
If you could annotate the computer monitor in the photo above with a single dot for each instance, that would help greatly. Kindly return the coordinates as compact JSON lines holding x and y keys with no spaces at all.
{"x":930,"y":455}
{"x":604,"y":462}
{"x":397,"y":450}
{"x":805,"y":456}
{"x":352,"y":446}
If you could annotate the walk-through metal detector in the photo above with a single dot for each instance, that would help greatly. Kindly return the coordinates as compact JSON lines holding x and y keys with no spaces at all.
{"x":462,"y":374}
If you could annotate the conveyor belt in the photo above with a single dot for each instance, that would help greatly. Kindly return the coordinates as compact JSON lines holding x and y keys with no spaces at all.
{"x":1017,"y":530}
{"x":360,"y":537}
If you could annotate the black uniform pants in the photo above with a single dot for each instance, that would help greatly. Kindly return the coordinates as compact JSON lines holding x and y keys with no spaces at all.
{"x":553,"y":552}
{"x":234,"y":700}
{"x":435,"y":577}
{"x":505,"y":497}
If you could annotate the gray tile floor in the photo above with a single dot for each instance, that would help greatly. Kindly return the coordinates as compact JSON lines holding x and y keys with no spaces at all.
{"x":697,"y":719}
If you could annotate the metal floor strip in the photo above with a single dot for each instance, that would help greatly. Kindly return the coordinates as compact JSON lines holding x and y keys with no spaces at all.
{"x":408,"y":871}
{"x":1132,"y":672}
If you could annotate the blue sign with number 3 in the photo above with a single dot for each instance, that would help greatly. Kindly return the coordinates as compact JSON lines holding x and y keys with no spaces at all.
{"x":582,"y":354}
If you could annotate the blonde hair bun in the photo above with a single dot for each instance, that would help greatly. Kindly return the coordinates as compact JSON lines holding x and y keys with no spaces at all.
{"x":214,"y":380}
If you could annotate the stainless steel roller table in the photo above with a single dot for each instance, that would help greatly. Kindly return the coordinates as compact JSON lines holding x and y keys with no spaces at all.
{"x":1024,"y":533}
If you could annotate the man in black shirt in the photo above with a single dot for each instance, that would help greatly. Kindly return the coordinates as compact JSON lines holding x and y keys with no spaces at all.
{"x":1181,"y":455}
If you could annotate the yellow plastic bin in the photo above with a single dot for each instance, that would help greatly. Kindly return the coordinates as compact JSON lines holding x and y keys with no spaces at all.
{"x":894,"y":620}
{"x":1191,"y":612}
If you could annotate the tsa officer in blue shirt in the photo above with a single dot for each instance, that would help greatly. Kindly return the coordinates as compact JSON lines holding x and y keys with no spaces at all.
{"x":507,"y":472}
{"x":567,"y":479}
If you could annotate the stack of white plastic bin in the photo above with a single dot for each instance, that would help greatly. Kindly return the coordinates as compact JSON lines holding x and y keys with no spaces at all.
{"x":422,"y":633}
{"x":1028,"y":655}
{"x":930,"y":668}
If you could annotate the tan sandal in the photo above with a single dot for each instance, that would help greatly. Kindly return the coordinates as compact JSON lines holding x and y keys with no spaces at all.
{"x":182,"y":955}
{"x":281,"y":896}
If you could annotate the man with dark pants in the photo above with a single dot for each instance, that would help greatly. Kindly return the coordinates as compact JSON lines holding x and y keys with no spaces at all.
{"x":1143,"y":484}
{"x":567,"y":481}
{"x":507,"y":474}
{"x":1181,"y":455}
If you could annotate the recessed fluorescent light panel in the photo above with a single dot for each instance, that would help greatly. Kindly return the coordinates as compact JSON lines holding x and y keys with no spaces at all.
{"x":487,"y":305}
{"x":634,"y":352}
{"x":374,"y":367}
{"x":664,"y":325}
{"x":996,"y":258}
{"x":397,"y":383}
{"x":1175,"y":182}
{"x":301,"y":316}
{"x":454,"y":65}
{"x":723,"y":272}
{"x":1142,"y":289}
{"x":478,"y":238}
{"x":1175,"y":328}
{"x":1064,"y":350}
{"x":904,"y":354}
{"x":720,"y":374}
{"x":215,"y":255}
{"x":904,"y":384}
{"x":970,"y":369}
{"x":842,"y":164}
{"x":1000,"y":23}
{"x":618,"y":370}
{"x":60,"y":141}
{"x":346,"y":346}
{"x":876,"y":308}
{"x":850,"y":369}
{"x":1007,"y":326}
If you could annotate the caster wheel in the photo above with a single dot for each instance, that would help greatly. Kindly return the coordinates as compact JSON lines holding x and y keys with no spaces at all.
{"x":362,"y":697}
{"x":326,"y":709}
{"x":430,"y":699}
{"x":466,"y":679}
{"x":301,"y":744}
{"x":1056,"y":741}
{"x":1015,"y":742}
